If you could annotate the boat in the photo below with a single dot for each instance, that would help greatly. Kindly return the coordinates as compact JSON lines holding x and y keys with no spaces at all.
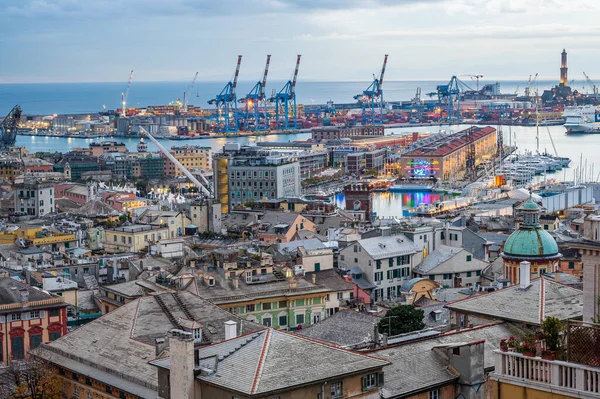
{"x":584,"y":119}
{"x":141,"y":146}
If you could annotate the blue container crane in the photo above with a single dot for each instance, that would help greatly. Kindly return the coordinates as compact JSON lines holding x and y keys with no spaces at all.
{"x":255,"y":113}
{"x":449,"y":97}
{"x":372,"y":99}
{"x":226,"y":115}
{"x":285,"y":103}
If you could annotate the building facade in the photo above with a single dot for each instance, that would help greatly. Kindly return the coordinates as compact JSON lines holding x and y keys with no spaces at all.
{"x":191,"y":157}
{"x":34,"y":198}
{"x":338,"y":132}
{"x":132,"y":238}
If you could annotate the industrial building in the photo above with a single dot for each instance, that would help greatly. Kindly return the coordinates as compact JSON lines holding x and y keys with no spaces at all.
{"x":447,"y":155}
{"x":339,"y":132}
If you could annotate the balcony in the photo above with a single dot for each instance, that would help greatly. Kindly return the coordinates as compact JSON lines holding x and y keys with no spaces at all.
{"x":569,"y":379}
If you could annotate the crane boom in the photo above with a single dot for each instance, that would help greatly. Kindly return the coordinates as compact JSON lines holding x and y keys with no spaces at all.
{"x":8,"y":127}
{"x":264,"y":79}
{"x":237,"y":73}
{"x":126,"y":94}
{"x":186,"y":172}
{"x":293,"y":91}
{"x":382,"y":73}
{"x":188,"y":90}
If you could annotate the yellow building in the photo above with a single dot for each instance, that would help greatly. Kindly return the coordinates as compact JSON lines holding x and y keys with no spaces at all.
{"x":447,"y":156}
{"x":191,"y":157}
{"x":40,"y":238}
{"x":133,"y":238}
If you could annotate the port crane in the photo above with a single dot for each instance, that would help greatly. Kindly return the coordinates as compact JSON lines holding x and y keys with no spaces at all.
{"x":225,"y":103}
{"x":256,"y":116}
{"x":591,"y":84}
{"x":188,"y":90}
{"x":8,"y":128}
{"x":449,"y":97}
{"x":530,"y":89}
{"x":125,"y":95}
{"x":372,"y":98}
{"x":204,"y":187}
{"x":285,"y":102}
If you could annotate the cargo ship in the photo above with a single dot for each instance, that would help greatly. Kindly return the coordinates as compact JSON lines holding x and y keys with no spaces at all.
{"x":583,"y":119}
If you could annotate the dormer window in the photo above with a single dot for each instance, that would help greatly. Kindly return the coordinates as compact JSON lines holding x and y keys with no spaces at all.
{"x":211,"y":282}
{"x":197,"y":335}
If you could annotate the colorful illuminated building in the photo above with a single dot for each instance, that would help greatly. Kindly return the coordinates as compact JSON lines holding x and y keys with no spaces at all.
{"x":447,"y":156}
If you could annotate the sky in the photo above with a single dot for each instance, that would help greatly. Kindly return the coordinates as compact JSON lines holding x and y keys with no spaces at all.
{"x":340,"y":40}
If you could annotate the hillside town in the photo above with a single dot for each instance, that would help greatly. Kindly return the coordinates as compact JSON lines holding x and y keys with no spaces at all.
{"x":235,"y":274}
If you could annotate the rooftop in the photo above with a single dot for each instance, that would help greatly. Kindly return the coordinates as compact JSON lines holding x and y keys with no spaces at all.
{"x":386,"y":247}
{"x":447,"y":144}
{"x":543,"y":298}
{"x":344,"y":328}
{"x":10,"y":292}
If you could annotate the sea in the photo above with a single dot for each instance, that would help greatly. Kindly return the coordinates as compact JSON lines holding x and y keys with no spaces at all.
{"x":77,"y":98}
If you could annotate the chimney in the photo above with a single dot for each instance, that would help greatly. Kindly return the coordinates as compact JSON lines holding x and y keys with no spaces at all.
{"x":181,"y":348}
{"x":24,"y":295}
{"x":293,"y":283}
{"x":236,"y":282}
{"x":314,"y":278}
{"x":160,"y":344}
{"x":230,"y":329}
{"x":524,"y":275}
{"x":557,"y":276}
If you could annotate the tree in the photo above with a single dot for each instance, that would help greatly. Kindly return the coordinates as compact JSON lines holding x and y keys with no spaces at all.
{"x":401,"y":319}
{"x":552,"y":328}
{"x":33,"y":380}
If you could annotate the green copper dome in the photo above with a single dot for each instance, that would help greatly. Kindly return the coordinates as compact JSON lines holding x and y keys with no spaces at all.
{"x":530,"y":240}
{"x":537,"y":243}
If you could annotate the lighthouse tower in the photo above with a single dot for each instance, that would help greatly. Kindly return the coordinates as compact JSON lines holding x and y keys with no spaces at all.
{"x":564,"y":81}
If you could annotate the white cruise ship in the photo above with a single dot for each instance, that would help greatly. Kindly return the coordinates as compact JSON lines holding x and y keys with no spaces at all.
{"x":582,"y":119}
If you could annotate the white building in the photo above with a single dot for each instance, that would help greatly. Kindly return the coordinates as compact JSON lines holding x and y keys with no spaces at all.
{"x":34,"y":198}
{"x":451,"y":267}
{"x":386,"y":262}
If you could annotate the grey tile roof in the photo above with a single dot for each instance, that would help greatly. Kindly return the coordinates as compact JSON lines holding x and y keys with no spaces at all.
{"x":10,"y":292}
{"x":329,"y":279}
{"x":272,"y":360}
{"x":386,"y":247}
{"x":416,"y":367}
{"x":292,"y":246}
{"x":435,"y":262}
{"x":117,"y":347}
{"x":344,"y":328}
{"x":523,"y":305}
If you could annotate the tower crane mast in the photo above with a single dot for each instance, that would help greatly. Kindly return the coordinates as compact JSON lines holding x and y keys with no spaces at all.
{"x":372,"y":98}
{"x":255,"y":115}
{"x":8,"y":128}
{"x":188,"y":90}
{"x":226,"y":104}
{"x":285,"y":102}
{"x":125,"y":95}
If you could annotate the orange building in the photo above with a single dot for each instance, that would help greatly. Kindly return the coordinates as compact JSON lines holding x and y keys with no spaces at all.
{"x":191,"y":157}
{"x":28,"y":317}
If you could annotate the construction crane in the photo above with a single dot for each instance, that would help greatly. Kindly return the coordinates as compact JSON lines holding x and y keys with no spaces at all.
{"x":226,"y":104}
{"x":372,"y":98}
{"x":125,"y":95}
{"x":188,"y":90}
{"x":205,"y":187}
{"x":517,"y":90}
{"x":285,"y":102}
{"x":8,"y":128}
{"x":255,"y":116}
{"x":476,"y":77}
{"x":530,"y":86}
{"x":591,"y":84}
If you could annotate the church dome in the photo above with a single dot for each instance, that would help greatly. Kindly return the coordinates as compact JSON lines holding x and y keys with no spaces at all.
{"x":530,"y":240}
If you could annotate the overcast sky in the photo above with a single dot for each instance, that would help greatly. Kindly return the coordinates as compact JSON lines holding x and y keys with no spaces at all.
{"x":102,"y":40}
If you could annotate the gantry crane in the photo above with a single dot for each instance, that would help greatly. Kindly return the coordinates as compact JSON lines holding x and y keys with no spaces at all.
{"x":530,"y":89}
{"x":449,"y":97}
{"x":226,"y":104}
{"x":372,"y":98}
{"x":8,"y":128}
{"x":188,"y":90}
{"x":285,"y":102}
{"x":125,"y":95}
{"x":592,"y":85}
{"x":255,"y":113}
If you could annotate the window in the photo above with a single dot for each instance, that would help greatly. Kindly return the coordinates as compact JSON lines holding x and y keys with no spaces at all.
{"x":571,"y":265}
{"x":282,"y":304}
{"x":76,"y":392}
{"x":356,"y":248}
{"x":326,"y":297}
{"x":282,"y":321}
{"x":378,"y":276}
{"x":432,"y":277}
{"x":336,"y":389}
{"x":372,"y":380}
{"x":54,"y":335}
{"x":266,"y":305}
{"x":89,"y":395}
{"x":435,"y":394}
{"x":468,"y":258}
{"x":299,"y":319}
{"x":266,"y":321}
{"x":447,"y":276}
{"x":17,"y":348}
{"x":317,"y":267}
{"x":355,"y":260}
{"x":15,"y":316}
{"x":342,"y":258}
{"x":35,"y":340}
{"x":478,"y":273}
{"x":250,"y":308}
{"x":340,"y":295}
{"x":299,"y":302}
{"x":378,"y":264}
{"x":469,"y":274}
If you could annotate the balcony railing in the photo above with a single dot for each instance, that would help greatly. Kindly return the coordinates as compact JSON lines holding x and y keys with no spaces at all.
{"x":537,"y":373}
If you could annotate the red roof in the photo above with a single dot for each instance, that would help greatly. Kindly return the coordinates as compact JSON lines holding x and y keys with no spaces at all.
{"x":451,"y":143}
